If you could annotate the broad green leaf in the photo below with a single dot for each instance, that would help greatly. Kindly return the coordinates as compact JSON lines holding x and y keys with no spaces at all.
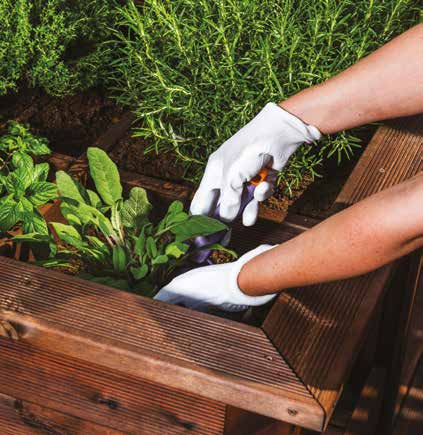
{"x":54,"y":263}
{"x":68,"y":187}
{"x":68,"y":234}
{"x":94,"y":199}
{"x":160,"y":259}
{"x":139,"y":272}
{"x":105,"y":225}
{"x":68,"y":214}
{"x":39,"y":147}
{"x":176,"y":249}
{"x":18,"y":181}
{"x":151,"y":247}
{"x":25,"y":206}
{"x":33,"y":238}
{"x":119,"y":259}
{"x":196,"y":226}
{"x":115,"y":217}
{"x":40,"y":172}
{"x":9,"y":216}
{"x":176,"y":218}
{"x":22,"y":160}
{"x":96,"y":243}
{"x":136,"y":208}
{"x":175,"y":208}
{"x":105,"y":175}
{"x":34,"y":222}
{"x":41,"y":192}
{"x":140,"y":244}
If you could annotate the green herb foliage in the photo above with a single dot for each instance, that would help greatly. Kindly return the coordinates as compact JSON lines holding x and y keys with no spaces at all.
{"x":114,"y":237}
{"x":54,"y":44}
{"x":15,"y":42}
{"x":195,"y":71}
{"x":23,"y":184}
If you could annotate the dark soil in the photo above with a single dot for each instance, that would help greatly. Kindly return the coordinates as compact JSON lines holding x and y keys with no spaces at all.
{"x":129,"y":154}
{"x":71,"y":124}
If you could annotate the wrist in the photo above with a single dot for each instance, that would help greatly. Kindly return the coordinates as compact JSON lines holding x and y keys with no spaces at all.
{"x":245,"y":290}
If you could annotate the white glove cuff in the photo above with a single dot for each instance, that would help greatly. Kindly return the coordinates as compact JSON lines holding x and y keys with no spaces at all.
{"x":278,"y":116}
{"x":238,"y":297}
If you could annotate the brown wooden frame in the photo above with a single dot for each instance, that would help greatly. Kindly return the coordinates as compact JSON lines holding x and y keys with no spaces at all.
{"x":292,"y":368}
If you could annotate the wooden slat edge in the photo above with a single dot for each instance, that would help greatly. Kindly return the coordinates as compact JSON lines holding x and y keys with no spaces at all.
{"x":216,"y":384}
{"x":360,"y":168}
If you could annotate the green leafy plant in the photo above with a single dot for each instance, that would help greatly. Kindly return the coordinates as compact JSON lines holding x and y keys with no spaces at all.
{"x":15,"y":42}
{"x":54,"y":44}
{"x":113,"y":237}
{"x":195,"y":71}
{"x":23,"y":184}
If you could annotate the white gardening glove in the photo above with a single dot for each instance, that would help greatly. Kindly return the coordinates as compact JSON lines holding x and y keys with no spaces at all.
{"x":213,"y":286}
{"x":266,"y":141}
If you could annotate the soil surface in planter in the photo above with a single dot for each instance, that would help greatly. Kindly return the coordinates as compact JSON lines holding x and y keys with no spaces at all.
{"x":71,"y":124}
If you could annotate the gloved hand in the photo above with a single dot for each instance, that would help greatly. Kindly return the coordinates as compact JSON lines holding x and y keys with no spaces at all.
{"x":215,"y":285}
{"x":266,"y":141}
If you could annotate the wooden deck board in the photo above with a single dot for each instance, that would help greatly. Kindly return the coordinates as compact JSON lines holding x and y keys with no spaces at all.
{"x":18,"y":417}
{"x":394,"y":154}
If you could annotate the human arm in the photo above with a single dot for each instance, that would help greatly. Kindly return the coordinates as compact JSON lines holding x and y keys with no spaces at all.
{"x":357,"y":240}
{"x":386,"y":84}
{"x":383,"y":85}
{"x":363,"y":237}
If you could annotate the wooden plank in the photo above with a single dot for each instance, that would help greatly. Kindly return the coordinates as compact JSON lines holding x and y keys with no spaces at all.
{"x":195,"y":352}
{"x":18,"y":417}
{"x":95,"y":394}
{"x":394,"y":154}
{"x":239,"y":422}
{"x":365,"y":417}
{"x":410,"y":421}
{"x":320,"y":330}
{"x":410,"y":348}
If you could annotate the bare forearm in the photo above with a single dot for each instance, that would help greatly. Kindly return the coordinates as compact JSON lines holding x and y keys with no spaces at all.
{"x":362,"y":238}
{"x":386,"y":84}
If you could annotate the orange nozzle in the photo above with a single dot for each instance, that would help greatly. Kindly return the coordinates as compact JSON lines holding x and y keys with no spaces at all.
{"x":261,"y":176}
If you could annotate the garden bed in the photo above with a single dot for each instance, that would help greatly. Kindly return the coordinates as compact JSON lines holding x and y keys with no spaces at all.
{"x":108,"y":358}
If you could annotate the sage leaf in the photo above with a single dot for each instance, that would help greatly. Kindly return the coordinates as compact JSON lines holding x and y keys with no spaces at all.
{"x":68,"y":187}
{"x":105,"y":174}
{"x":136,"y":208}
{"x":119,"y":259}
{"x":197,"y":226}
{"x":176,"y":249}
{"x":151,"y":247}
{"x":160,"y":259}
{"x":68,"y":234}
{"x":139,"y":272}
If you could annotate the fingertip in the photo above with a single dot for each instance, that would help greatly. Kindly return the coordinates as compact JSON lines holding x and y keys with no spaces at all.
{"x":250,"y":214}
{"x":263,"y":191}
{"x":204,"y":202}
{"x":230,"y":204}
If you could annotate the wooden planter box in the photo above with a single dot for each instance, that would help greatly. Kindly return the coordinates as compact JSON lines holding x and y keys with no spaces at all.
{"x":82,"y":358}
